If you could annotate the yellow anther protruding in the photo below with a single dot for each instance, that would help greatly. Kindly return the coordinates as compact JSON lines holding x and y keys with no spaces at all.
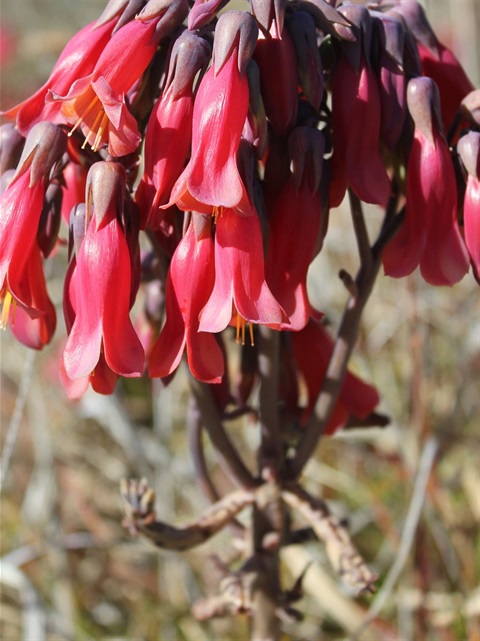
{"x":85,"y":114}
{"x":7,"y":303}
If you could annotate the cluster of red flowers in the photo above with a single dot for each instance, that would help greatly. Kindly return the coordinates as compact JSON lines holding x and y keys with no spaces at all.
{"x":250,"y":128}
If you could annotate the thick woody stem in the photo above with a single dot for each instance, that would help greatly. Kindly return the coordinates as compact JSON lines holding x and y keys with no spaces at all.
{"x":361,"y":233}
{"x":268,"y":366}
{"x":228,"y":455}
{"x":268,"y":519}
{"x":347,"y":333}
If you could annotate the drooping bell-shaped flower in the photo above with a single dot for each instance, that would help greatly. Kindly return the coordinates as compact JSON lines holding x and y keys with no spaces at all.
{"x":189,"y":284}
{"x":430,"y":236}
{"x":211,"y":178}
{"x":312,"y":348}
{"x":356,"y":110}
{"x":277,"y":61}
{"x":294,"y":226}
{"x":95,"y":103}
{"x":240,"y":290}
{"x":31,"y":329}
{"x":301,"y":27}
{"x":102,"y":284}
{"x":21,"y":208}
{"x":391,"y":76}
{"x":469,"y":150}
{"x":438,"y":62}
{"x":76,"y":61}
{"x":169,"y":130}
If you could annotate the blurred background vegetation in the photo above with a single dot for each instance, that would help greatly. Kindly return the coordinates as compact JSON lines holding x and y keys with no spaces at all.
{"x":69,"y":569}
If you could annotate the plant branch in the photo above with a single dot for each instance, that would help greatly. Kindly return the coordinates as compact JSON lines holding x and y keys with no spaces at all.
{"x":139,"y":501}
{"x":195,"y":440}
{"x":227,"y":453}
{"x":268,"y":366}
{"x":360,"y":228}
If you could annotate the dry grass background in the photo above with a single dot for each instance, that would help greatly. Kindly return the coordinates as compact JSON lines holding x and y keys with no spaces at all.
{"x":411,"y":492}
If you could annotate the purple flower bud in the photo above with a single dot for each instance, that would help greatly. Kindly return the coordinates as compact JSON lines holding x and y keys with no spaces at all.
{"x":309,"y":66}
{"x":50,"y":218}
{"x":468,"y":148}
{"x":11,"y":145}
{"x":470,"y":107}
{"x":304,"y":142}
{"x":257,"y":119}
{"x":170,"y":15}
{"x":125,"y":10}
{"x":235,"y":29}
{"x":45,"y":145}
{"x":78,"y":222}
{"x":269,"y":11}
{"x":105,"y":191}
{"x":327,"y":19}
{"x":203,"y":12}
{"x":362,"y":28}
{"x":423,"y":103}
{"x":190,"y":54}
{"x":417,"y":22}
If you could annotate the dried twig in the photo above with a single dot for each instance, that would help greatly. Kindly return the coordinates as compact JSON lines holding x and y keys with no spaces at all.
{"x":140,"y":516}
{"x":343,"y":556}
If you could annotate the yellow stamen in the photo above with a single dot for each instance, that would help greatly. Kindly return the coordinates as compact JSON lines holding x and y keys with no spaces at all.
{"x":240,"y":330}
{"x":216,"y":212}
{"x":101,"y":129}
{"x":92,"y":128}
{"x":85,"y":114}
{"x":6,"y":304}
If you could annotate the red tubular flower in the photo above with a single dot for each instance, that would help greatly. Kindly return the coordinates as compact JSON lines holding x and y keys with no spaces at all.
{"x":75,"y":178}
{"x":240,"y":286}
{"x":102,"y":285}
{"x":469,"y":150}
{"x":169,"y":130}
{"x":34,"y":330}
{"x":277,"y":61}
{"x":356,"y":160}
{"x":392,"y":81}
{"x":76,"y":60}
{"x":96,"y":102}
{"x":211,"y":178}
{"x":452,"y":81}
{"x":312,"y":349}
{"x":430,"y":236}
{"x":189,"y":284}
{"x":294,"y":227}
{"x":21,"y":209}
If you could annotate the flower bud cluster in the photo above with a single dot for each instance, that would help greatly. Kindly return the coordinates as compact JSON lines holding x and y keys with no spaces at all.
{"x":249,"y":128}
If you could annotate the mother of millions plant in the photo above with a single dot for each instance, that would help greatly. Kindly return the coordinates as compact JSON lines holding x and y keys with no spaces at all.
{"x":196,"y":158}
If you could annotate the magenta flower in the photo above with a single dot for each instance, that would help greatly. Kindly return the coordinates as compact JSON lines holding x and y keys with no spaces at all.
{"x":277,"y":61}
{"x":76,"y":60}
{"x":22,"y":204}
{"x":312,"y":349}
{"x":95,"y":103}
{"x":169,"y":130}
{"x":33,"y":323}
{"x":469,"y":150}
{"x":102,"y":285}
{"x":189,"y":284}
{"x":356,"y":133}
{"x":356,"y":109}
{"x":211,"y":178}
{"x":294,"y":227}
{"x":430,"y":236}
{"x":240,"y":288}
